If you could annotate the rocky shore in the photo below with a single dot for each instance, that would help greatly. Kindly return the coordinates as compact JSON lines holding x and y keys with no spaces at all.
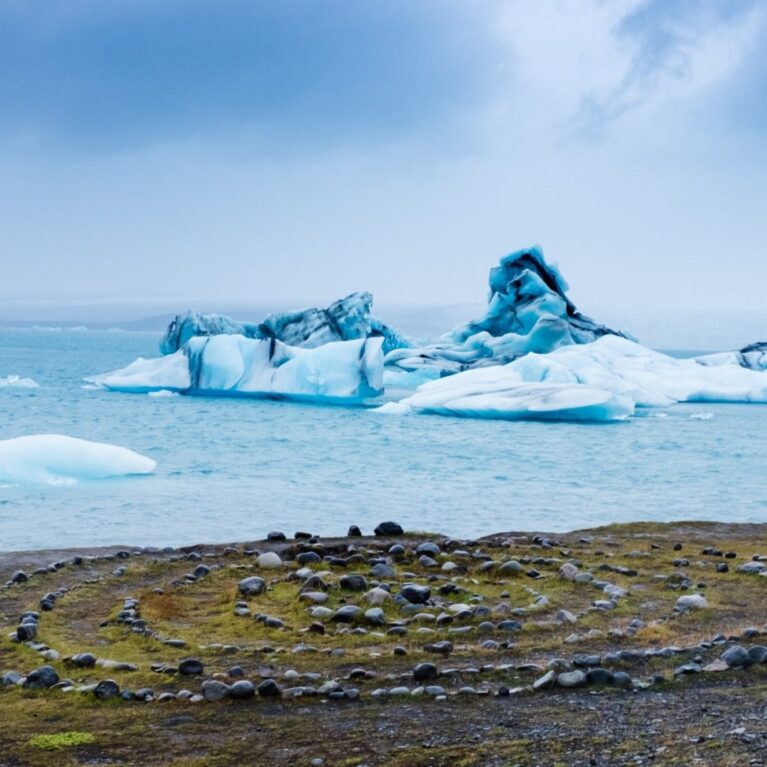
{"x":631,"y":644}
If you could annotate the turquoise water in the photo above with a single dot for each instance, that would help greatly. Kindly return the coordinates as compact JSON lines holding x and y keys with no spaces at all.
{"x":233,"y":469}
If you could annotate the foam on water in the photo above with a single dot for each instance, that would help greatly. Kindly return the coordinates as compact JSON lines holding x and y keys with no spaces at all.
{"x":233,"y":469}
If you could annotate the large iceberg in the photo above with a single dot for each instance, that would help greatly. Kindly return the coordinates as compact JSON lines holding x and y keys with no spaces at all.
{"x":528,"y":311}
{"x":603,"y":380}
{"x":347,"y":319}
{"x":55,"y":458}
{"x":233,"y":365}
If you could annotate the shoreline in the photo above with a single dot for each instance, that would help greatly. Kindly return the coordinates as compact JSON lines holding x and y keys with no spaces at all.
{"x":413,"y":649}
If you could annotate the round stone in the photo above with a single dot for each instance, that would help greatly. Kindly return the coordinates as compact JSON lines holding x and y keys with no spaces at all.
{"x":252,"y":586}
{"x":106,"y":689}
{"x":269,"y":689}
{"x":415,"y":594}
{"x":347,"y":614}
{"x":242,"y":690}
{"x":389,"y":528}
{"x":425,"y":672}
{"x":213,"y":690}
{"x":190,"y":667}
{"x":40,"y":678}
{"x":353,"y":583}
{"x":269,"y":561}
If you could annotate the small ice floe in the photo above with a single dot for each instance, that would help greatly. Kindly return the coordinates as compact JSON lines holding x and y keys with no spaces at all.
{"x":701,"y":416}
{"x":56,"y":459}
{"x":163,"y":393}
{"x":17,"y":382}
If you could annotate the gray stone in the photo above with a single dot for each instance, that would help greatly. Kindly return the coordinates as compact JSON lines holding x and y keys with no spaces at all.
{"x":415,"y":594}
{"x":736,"y":657}
{"x":269,"y":689}
{"x":213,"y":690}
{"x":348,"y":614}
{"x":40,"y":678}
{"x":191,"y":666}
{"x":353,"y":583}
{"x":572,"y":679}
{"x":252,"y":586}
{"x":243,"y":689}
{"x":425,"y":672}
{"x":83,"y":660}
{"x":388,"y":528}
{"x":106,"y":689}
{"x":545,"y":682}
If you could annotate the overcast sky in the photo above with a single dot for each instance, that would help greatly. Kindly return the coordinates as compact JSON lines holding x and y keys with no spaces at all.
{"x":302,"y":149}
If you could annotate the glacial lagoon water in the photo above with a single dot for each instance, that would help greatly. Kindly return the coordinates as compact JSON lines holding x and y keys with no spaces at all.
{"x":233,"y":469}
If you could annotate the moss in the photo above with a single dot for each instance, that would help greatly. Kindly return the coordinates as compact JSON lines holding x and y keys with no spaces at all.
{"x":58,"y":740}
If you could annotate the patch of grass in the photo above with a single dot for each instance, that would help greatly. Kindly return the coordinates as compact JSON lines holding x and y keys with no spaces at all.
{"x":58,"y":740}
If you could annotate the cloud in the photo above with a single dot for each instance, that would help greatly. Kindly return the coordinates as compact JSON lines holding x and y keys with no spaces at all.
{"x":112,"y":73}
{"x":588,"y":63}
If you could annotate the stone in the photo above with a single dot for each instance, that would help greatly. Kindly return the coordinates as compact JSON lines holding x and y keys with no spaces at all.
{"x":19,"y":577}
{"x":252,"y":586}
{"x":622,"y":680}
{"x":512,"y":567}
{"x":308,"y":557}
{"x":83,"y":660}
{"x":242,"y":689}
{"x":190,"y":667}
{"x":382,"y":570}
{"x":545,"y":682}
{"x":353,"y":583}
{"x":213,"y":690}
{"x":354,"y":532}
{"x":388,"y":529}
{"x":377,"y":596}
{"x":568,"y":571}
{"x":414,"y":593}
{"x":269,"y":689}
{"x":752,"y":568}
{"x":427,"y":547}
{"x":201,"y":571}
{"x":691,"y":602}
{"x":758,"y":653}
{"x":375,"y":616}
{"x":41,"y":678}
{"x":347,"y":614}
{"x":425,"y":672}
{"x":276,"y":535}
{"x":572,"y":679}
{"x":106,"y":689}
{"x":26,"y":632}
{"x":315,"y":597}
{"x":600,"y":676}
{"x":269,"y":561}
{"x":736,"y":657}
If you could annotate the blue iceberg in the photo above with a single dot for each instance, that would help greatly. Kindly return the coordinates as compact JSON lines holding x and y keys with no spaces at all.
{"x":528,"y":311}
{"x":233,"y":365}
{"x":347,"y":319}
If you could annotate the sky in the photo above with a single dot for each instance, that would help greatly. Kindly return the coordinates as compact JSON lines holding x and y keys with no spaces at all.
{"x":296,"y":150}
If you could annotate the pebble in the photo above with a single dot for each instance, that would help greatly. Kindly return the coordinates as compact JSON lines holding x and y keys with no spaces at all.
{"x":414,"y":593}
{"x":106,"y":689}
{"x":691,"y":602}
{"x":191,"y":666}
{"x":425,"y":672}
{"x":242,"y":689}
{"x":736,"y":657}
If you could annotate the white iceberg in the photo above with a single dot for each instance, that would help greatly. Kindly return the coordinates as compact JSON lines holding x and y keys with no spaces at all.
{"x":233,"y":365}
{"x":54,"y":458}
{"x":17,"y":382}
{"x":601,"y":381}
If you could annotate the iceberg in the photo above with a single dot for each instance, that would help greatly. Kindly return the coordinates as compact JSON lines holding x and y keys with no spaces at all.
{"x":752,"y":357}
{"x":17,"y":382}
{"x":54,"y":458}
{"x":604,"y":380}
{"x":234,"y":365}
{"x":347,"y":319}
{"x":528,"y":311}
